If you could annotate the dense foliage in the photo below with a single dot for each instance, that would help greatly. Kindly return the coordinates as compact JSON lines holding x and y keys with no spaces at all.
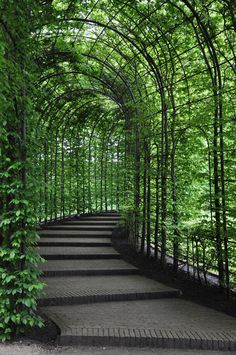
{"x":126,"y":105}
{"x":19,"y":285}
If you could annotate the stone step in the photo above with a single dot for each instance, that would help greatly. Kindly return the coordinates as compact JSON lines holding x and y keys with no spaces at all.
{"x":89,"y":222}
{"x":101,"y":218}
{"x":73,"y":233}
{"x":109,"y":215}
{"x":74,"y":227}
{"x":101,"y":214}
{"x":163,"y":323}
{"x":82,"y":289}
{"x":87,"y":267}
{"x":82,"y":242}
{"x":60,"y":253}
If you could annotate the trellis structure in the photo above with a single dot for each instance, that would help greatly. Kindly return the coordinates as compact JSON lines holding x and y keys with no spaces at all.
{"x":117,"y":105}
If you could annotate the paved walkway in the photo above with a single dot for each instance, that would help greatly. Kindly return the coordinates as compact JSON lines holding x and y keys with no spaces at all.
{"x":96,"y":298}
{"x":27,"y":348}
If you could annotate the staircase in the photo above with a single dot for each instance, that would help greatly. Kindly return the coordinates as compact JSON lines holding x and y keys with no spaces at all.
{"x":95,"y":297}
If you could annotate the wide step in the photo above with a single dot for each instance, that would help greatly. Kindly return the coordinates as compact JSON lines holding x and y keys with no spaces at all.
{"x":166,"y":323}
{"x":74,"y":233}
{"x":54,"y":252}
{"x":81,"y":289}
{"x":90,"y":222}
{"x":87,"y":267}
{"x":93,"y":228}
{"x":101,"y":218}
{"x":75,"y":242}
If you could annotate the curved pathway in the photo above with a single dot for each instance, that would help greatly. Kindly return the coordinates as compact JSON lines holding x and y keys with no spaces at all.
{"x":95,"y":297}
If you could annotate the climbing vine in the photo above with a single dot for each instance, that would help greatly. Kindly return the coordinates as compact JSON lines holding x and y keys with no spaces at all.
{"x":117,"y":105}
{"x":19,"y":285}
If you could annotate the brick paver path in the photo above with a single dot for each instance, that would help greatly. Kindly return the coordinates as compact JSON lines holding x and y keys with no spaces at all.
{"x":95,"y":297}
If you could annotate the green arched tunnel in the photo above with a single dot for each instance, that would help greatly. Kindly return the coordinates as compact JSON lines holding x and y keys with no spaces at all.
{"x":120,"y":105}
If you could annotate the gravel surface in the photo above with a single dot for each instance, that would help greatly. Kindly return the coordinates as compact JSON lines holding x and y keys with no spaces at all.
{"x":30,"y":348}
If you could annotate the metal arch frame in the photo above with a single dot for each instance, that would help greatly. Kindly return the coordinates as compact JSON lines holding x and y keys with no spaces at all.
{"x":211,"y":56}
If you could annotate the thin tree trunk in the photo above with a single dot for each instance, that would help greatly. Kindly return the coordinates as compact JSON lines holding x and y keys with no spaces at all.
{"x":144,"y":214}
{"x":62,"y":178}
{"x":95,"y":178}
{"x":89,"y":177}
{"x":137,"y":184}
{"x":174,"y":207}
{"x":164,"y":164}
{"x":111,"y":188}
{"x":156,"y":239}
{"x":45,"y":182}
{"x":118,"y":179}
{"x":55,"y":184}
{"x":105,"y":178}
{"x":217,"y":205}
{"x":77,"y":177}
{"x":83,"y":174}
{"x":148,"y":203}
{"x":101,"y":178}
